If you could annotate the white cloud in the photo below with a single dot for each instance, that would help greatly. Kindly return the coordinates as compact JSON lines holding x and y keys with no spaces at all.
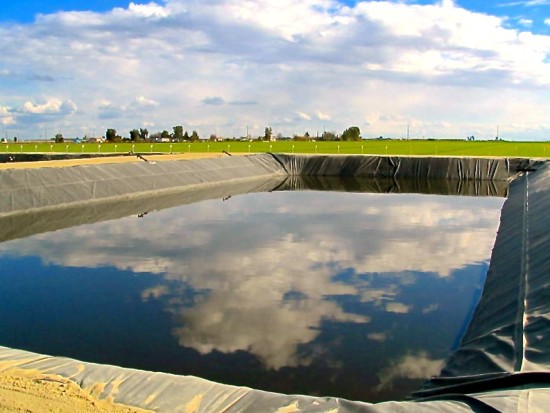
{"x":140,"y":105}
{"x":6,"y":117}
{"x":54,"y":106}
{"x":148,"y":10}
{"x":322,"y":116}
{"x":303,"y":116}
{"x":525,"y":22}
{"x":36,"y":113}
{"x":528,"y":3}
{"x":144,"y":102}
{"x":426,"y":63}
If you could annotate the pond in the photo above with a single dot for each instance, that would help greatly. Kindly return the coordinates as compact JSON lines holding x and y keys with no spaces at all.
{"x":355,"y":295}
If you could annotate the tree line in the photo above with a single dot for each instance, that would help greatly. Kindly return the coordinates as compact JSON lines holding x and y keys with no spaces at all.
{"x":178,"y":134}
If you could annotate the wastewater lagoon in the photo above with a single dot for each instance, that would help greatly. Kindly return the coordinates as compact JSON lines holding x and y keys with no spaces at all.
{"x":355,"y":295}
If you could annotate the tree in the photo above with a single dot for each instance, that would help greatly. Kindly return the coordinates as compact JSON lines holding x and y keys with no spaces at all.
{"x":178,"y":133}
{"x":351,"y":134}
{"x":164,"y":135}
{"x":110,"y":135}
{"x":186,"y":137}
{"x":134,"y":135}
{"x":59,"y":138}
{"x":328,"y":136}
{"x":268,"y":133}
{"x":194,"y":136}
{"x":143,"y":134}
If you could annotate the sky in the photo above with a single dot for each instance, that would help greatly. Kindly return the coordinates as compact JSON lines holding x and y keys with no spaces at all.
{"x":445,"y":69}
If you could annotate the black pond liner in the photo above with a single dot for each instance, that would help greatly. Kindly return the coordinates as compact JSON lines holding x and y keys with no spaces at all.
{"x":503,"y":361}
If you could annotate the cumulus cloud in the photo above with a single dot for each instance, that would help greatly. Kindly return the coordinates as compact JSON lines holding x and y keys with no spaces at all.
{"x":54,"y":106}
{"x":33,"y":113}
{"x":273,"y":295}
{"x":148,"y":10}
{"x":428,"y":63}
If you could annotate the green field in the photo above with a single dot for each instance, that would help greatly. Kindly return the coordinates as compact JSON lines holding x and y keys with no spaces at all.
{"x":381,"y":147}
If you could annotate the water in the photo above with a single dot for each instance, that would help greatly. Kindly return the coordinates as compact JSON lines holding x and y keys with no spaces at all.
{"x":361,"y":296}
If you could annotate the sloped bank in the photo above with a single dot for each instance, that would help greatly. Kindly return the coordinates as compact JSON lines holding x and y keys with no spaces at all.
{"x":504,"y":359}
{"x":39,"y":188}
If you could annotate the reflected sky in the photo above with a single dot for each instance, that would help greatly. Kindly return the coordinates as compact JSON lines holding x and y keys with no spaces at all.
{"x":354,"y":295}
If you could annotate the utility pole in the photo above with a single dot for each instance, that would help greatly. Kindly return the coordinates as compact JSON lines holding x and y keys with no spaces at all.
{"x":408,"y":131}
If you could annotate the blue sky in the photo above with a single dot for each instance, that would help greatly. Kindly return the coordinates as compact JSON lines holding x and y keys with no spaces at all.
{"x":445,"y":68}
{"x":25,"y":10}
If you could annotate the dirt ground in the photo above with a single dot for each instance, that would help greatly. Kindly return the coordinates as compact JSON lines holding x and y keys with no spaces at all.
{"x":30,"y":391}
{"x":103,"y":160}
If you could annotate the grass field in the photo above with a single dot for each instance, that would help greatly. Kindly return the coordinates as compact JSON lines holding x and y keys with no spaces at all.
{"x":381,"y":147}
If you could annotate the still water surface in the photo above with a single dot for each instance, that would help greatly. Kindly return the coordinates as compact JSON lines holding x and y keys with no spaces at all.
{"x":361,"y":296}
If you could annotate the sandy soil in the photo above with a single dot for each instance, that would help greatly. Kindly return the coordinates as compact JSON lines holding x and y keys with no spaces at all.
{"x":104,"y":160}
{"x":30,"y":391}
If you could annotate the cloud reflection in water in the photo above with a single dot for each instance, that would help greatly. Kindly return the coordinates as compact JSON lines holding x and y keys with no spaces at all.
{"x":269,"y":272}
